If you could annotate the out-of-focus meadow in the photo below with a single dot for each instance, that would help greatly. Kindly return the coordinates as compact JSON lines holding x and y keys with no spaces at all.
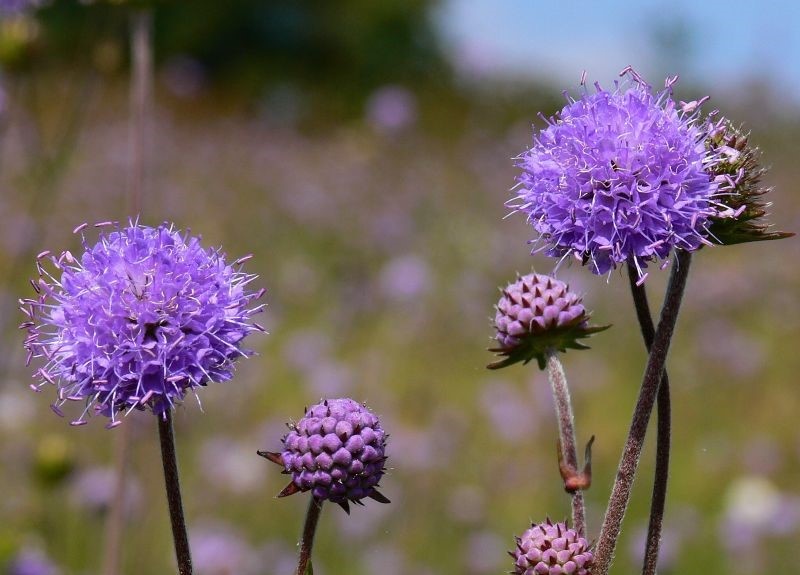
{"x":366,"y":168}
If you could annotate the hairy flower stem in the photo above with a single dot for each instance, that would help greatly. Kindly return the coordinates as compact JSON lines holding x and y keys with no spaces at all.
{"x":170,"y":461}
{"x":309,"y":530}
{"x":626,"y":472}
{"x":566,"y":432}
{"x":663,"y":430}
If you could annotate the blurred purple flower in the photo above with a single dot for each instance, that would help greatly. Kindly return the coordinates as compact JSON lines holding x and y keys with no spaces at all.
{"x":16,"y":408}
{"x":32,"y":562}
{"x":416,"y":448}
{"x":18,"y":231}
{"x":94,"y":489}
{"x":143,"y":316}
{"x":385,"y":559}
{"x":304,"y":348}
{"x":220,"y":550}
{"x":280,"y":557}
{"x":467,"y":504}
{"x":405,"y":278}
{"x":619,"y":175}
{"x":756,"y":509}
{"x":484,"y":553}
{"x":328,"y":378}
{"x":511,"y":416}
{"x":391,"y":108}
{"x":422,"y":449}
{"x":729,"y":348}
{"x":19,"y":6}
{"x":370,"y":520}
{"x":230,"y":466}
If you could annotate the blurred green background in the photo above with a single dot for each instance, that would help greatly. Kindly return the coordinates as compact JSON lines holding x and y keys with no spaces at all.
{"x":363,"y":152}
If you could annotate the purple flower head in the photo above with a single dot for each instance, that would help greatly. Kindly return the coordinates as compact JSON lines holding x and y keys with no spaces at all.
{"x":538,"y":313}
{"x":619,"y":175}
{"x":336,"y":451}
{"x":551,"y":549}
{"x":140,"y":318}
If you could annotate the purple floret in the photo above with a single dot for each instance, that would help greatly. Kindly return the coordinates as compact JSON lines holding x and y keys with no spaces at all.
{"x":32,"y":561}
{"x":620,"y":175}
{"x":336,"y":451}
{"x":143,"y":316}
{"x":551,"y":549}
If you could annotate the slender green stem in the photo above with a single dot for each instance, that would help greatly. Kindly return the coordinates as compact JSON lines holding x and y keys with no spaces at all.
{"x":168,"y":457}
{"x":626,"y":472}
{"x":566,"y":432}
{"x":309,"y":530}
{"x":663,"y":430}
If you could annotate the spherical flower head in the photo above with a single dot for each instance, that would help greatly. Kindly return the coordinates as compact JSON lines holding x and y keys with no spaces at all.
{"x":738,"y":174}
{"x":140,"y":318}
{"x":618,"y":176}
{"x":336,"y":451}
{"x":538,"y":313}
{"x":551,"y":549}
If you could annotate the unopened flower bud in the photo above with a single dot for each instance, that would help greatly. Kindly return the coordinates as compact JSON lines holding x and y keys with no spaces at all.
{"x":738,"y":174}
{"x":336,"y":451}
{"x":538,"y":313}
{"x":551,"y":549}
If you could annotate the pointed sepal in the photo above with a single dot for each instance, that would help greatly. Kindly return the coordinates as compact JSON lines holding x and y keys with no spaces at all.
{"x":271,"y":456}
{"x":537,"y":345}
{"x":378,"y":496}
{"x":290,"y":489}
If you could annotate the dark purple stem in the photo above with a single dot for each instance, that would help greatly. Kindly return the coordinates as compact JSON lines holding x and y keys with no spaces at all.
{"x":626,"y":472}
{"x":566,"y":432}
{"x":663,"y":431}
{"x":170,"y":461}
{"x":309,"y":530}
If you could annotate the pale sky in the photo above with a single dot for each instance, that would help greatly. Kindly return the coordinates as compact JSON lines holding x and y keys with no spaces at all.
{"x":714,"y":43}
